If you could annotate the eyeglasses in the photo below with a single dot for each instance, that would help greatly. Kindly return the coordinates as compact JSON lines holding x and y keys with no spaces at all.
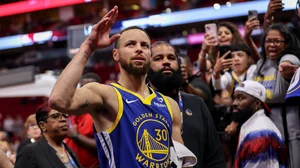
{"x":275,"y":42}
{"x":57,"y":116}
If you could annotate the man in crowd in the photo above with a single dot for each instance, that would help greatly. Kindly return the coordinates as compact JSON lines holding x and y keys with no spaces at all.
{"x":195,"y":85}
{"x":260,"y":142}
{"x":198,"y":130}
{"x":81,"y":135}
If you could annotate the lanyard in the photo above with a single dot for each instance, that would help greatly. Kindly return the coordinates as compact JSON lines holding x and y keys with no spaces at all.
{"x":180,"y":103}
{"x":71,"y":160}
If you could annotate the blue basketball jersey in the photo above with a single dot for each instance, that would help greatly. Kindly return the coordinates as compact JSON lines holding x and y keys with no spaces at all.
{"x":294,"y":88}
{"x":141,"y":133}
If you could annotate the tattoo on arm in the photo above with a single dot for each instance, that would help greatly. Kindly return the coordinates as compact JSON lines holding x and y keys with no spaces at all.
{"x":85,"y":104}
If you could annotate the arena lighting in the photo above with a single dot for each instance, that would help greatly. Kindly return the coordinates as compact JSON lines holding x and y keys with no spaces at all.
{"x":203,"y":14}
{"x":18,"y":41}
{"x":217,"y":6}
{"x":179,"y":41}
{"x":228,"y":4}
{"x":35,"y":5}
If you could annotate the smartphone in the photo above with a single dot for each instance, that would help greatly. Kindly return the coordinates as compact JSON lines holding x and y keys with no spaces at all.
{"x":223,"y":50}
{"x":211,"y":29}
{"x":252,"y":13}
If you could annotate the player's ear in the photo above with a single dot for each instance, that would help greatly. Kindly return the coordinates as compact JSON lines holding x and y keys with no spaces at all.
{"x":116,"y":54}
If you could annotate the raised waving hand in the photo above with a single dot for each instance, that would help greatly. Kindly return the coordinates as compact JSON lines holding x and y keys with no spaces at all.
{"x":99,"y":36}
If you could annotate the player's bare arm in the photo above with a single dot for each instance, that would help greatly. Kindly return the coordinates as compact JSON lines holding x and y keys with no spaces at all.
{"x":176,"y":129}
{"x":65,"y":97}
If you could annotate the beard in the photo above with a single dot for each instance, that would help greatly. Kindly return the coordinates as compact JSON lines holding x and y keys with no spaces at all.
{"x":165,"y":83}
{"x":242,"y":115}
{"x":134,"y":70}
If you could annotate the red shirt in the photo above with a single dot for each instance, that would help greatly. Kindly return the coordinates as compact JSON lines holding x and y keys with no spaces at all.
{"x":84,"y":127}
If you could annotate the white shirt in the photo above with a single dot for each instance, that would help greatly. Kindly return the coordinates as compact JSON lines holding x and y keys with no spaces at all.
{"x":260,"y":144}
{"x":225,"y":82}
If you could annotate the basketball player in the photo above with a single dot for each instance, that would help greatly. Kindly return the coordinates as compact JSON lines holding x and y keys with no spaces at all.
{"x":138,"y":124}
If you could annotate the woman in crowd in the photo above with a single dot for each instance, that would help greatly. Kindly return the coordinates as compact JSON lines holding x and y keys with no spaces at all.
{"x":275,"y":69}
{"x":32,"y":130}
{"x":49,"y":151}
{"x":228,"y":34}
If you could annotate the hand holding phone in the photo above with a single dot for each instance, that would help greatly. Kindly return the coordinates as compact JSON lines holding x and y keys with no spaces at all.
{"x":252,"y":13}
{"x":223,"y":50}
{"x":273,"y":7}
{"x":222,"y":64}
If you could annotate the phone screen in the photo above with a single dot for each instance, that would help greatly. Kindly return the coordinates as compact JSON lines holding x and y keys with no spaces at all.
{"x":211,"y":29}
{"x":223,"y":50}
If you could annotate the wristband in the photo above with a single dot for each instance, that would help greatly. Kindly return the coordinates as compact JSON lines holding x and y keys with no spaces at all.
{"x":267,"y":20}
{"x":75,"y":137}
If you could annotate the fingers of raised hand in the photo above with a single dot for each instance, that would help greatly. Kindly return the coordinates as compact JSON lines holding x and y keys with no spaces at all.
{"x":277,"y":5}
{"x":111,"y":13}
{"x":114,"y":38}
{"x":101,"y":24}
{"x":206,"y":35}
{"x":226,"y":64}
{"x":287,"y":66}
{"x":225,"y":55}
{"x":115,"y":16}
{"x":210,"y":37}
{"x":252,"y":18}
{"x":212,"y":42}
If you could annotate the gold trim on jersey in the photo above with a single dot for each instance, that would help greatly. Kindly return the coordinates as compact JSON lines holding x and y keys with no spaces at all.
{"x":120,"y":112}
{"x":168,"y":105}
{"x":237,"y":79}
{"x":146,"y":101}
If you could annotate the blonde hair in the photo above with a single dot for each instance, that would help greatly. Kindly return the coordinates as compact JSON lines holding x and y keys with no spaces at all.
{"x":30,"y":119}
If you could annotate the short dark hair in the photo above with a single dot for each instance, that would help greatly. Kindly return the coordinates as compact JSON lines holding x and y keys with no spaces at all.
{"x":130,"y":28}
{"x":92,"y":75}
{"x":42,"y":113}
{"x":157,"y":43}
{"x":185,"y":57}
{"x":241,"y":47}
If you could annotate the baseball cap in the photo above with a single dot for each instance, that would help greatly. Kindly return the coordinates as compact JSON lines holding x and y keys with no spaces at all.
{"x":252,"y":88}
